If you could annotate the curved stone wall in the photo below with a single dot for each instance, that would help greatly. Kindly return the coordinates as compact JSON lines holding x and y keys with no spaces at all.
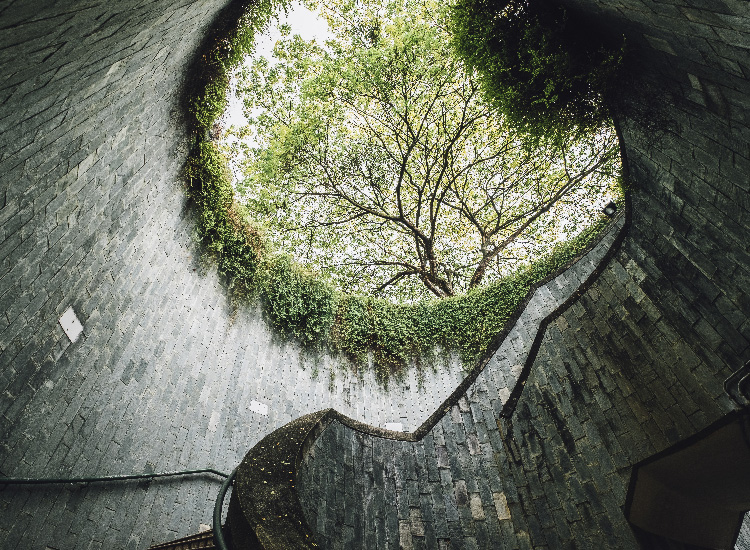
{"x":634,"y":366}
{"x":166,"y":377}
{"x":451,"y":488}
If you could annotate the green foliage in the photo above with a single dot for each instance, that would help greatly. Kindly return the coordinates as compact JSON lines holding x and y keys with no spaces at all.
{"x":210,"y":187}
{"x":467,"y":324}
{"x":376,"y":160}
{"x":231,"y":38}
{"x":242,"y":248}
{"x":549,"y":70}
{"x":221,"y":226}
{"x":299,"y":303}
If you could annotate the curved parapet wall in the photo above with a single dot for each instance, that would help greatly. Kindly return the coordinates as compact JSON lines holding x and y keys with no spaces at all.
{"x":438,"y":486}
{"x":282,"y":488}
{"x":277,"y":496}
{"x":264,"y":511}
{"x":503,"y":374}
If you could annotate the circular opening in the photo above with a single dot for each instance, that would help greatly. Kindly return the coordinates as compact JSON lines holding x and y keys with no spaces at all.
{"x":369,"y":154}
{"x":377,"y":53}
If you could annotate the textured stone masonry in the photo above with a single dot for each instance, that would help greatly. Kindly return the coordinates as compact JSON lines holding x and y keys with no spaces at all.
{"x":634,"y":366}
{"x":92,"y":214}
{"x":554,"y":475}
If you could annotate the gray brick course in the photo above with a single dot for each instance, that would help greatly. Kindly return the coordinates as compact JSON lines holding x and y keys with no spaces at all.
{"x":92,"y":214}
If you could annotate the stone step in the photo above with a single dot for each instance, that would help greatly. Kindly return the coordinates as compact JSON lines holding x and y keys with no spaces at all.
{"x":202,"y":541}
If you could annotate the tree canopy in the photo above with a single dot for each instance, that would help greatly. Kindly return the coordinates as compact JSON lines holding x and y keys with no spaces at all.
{"x":375,"y":159}
{"x":550,"y":70}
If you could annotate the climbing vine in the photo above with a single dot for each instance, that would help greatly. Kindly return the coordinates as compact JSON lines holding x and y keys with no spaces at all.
{"x":300,"y":304}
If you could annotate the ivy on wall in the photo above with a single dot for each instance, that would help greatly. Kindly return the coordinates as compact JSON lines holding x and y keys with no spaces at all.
{"x":297,"y":303}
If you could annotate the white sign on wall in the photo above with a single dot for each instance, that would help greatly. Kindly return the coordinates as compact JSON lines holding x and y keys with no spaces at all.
{"x":259,"y":408}
{"x":71,"y":325}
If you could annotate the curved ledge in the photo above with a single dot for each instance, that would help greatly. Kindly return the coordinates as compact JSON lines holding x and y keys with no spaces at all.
{"x":563,"y":302}
{"x":264,"y":510}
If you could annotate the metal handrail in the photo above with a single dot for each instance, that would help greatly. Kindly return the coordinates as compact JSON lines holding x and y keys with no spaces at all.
{"x":736,"y":386}
{"x":219,"y":541}
{"x":40,"y":481}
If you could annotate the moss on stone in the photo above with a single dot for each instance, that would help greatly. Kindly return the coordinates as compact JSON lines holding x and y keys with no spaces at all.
{"x":265,"y":510}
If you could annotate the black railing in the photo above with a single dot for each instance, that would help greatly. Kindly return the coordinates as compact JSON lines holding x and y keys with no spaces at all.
{"x":40,"y":481}
{"x":738,"y":385}
{"x":219,"y":540}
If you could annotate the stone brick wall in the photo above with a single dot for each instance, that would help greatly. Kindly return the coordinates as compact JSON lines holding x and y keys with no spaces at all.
{"x":90,"y":147}
{"x":692,"y":210}
{"x":612,"y":384}
{"x":92,"y":215}
{"x":634,"y":366}
{"x":166,"y":377}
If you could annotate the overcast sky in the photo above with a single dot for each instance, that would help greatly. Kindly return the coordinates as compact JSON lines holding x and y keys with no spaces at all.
{"x":303,"y":22}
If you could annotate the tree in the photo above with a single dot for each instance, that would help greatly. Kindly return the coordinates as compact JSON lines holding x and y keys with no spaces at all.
{"x":549,"y":70}
{"x":378,"y":160}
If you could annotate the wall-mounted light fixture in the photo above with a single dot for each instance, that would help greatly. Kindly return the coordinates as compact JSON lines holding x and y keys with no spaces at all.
{"x":610,"y":209}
